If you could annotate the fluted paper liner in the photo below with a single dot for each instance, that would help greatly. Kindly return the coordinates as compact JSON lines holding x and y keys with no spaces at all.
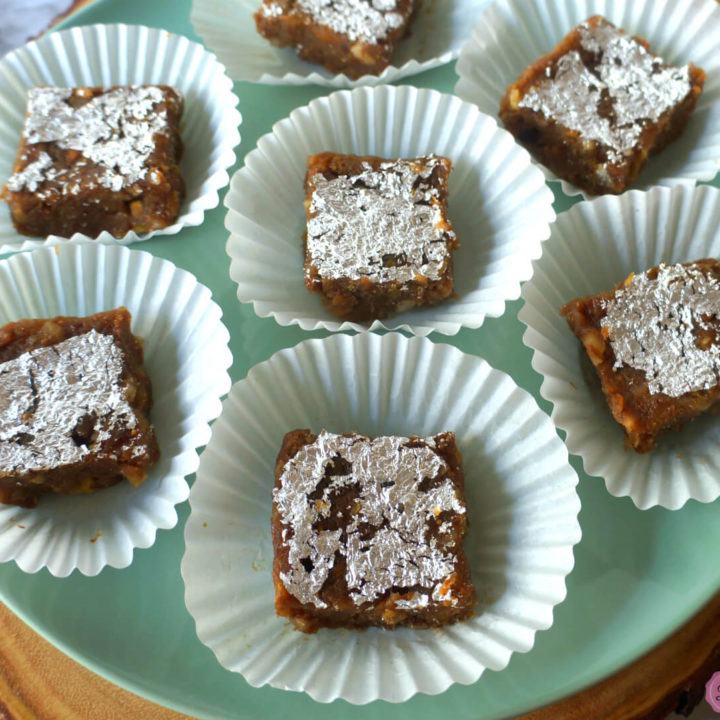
{"x":522,"y":512}
{"x":105,"y":55}
{"x":228,"y":29}
{"x":512,"y":34}
{"x":593,"y":247}
{"x":186,"y":355}
{"x":499,"y":204}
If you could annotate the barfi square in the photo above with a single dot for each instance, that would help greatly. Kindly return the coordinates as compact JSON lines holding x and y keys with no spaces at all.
{"x":354,"y":37}
{"x":74,"y":403}
{"x":598,"y":105}
{"x":378,"y":237}
{"x":655,"y":344}
{"x":369,"y":532}
{"x":98,"y":159}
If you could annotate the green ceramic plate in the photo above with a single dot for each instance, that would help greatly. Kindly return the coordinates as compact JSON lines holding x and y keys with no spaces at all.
{"x":638,"y":575}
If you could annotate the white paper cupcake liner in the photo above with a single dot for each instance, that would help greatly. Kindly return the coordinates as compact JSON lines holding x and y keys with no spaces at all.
{"x":187,"y":357}
{"x":435,"y":38}
{"x":522,"y":512}
{"x":593,"y":247}
{"x":499,"y":204}
{"x":105,"y":55}
{"x":512,"y":34}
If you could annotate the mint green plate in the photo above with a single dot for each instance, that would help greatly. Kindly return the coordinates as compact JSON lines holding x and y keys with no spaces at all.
{"x":638,"y":575}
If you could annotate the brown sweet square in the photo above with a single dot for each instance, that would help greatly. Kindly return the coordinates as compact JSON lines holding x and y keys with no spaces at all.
{"x":74,"y":403}
{"x":98,"y":159}
{"x":369,"y":531}
{"x":655,"y":344}
{"x":598,"y":105}
{"x":378,"y":237}
{"x":357,"y":37}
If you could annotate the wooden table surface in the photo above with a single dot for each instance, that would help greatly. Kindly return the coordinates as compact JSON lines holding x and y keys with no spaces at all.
{"x":38,"y":682}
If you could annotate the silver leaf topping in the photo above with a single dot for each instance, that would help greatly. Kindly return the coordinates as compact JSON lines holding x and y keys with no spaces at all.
{"x":271,"y":9}
{"x":115,"y":130}
{"x":385,"y":539}
{"x":33,"y":175}
{"x":392,"y":212}
{"x":368,"y":21}
{"x":631,"y":85}
{"x":652,"y":324}
{"x":48,"y":393}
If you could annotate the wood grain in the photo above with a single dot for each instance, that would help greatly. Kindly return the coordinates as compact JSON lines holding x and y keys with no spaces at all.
{"x":38,"y":682}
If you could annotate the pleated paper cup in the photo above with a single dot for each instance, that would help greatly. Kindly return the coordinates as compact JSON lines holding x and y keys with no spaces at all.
{"x":499,"y":204}
{"x":228,"y":29}
{"x":107,"y":55}
{"x":522,"y":512}
{"x":512,"y":34}
{"x":186,"y":356}
{"x":593,"y":247}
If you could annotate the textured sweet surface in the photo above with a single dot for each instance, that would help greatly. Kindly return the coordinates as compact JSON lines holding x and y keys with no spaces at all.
{"x":369,"y":531}
{"x":654,"y":325}
{"x":608,"y":88}
{"x":361,"y":220}
{"x":655,"y":345}
{"x":47,"y":396}
{"x":605,"y":100}
{"x":355,"y":37}
{"x":378,"y":237}
{"x":73,"y":404}
{"x":93,"y":159}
